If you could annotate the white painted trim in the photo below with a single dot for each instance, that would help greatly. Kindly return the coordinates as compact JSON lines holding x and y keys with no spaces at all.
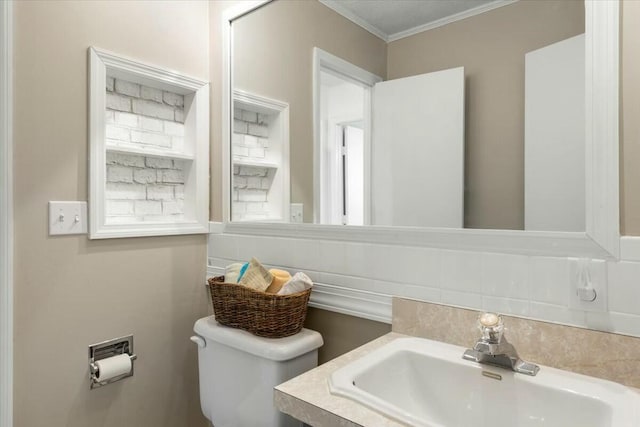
{"x":102,"y":63}
{"x":336,"y":6}
{"x":450,"y":19}
{"x":216,"y":227}
{"x":324,"y":61}
{"x":6,"y":214}
{"x":602,"y":237}
{"x":602,"y":203}
{"x":341,"y":299}
{"x":281,"y":110}
{"x":630,"y":248}
{"x":234,"y":12}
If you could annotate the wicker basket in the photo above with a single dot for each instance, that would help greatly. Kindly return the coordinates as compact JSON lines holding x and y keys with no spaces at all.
{"x":262,"y":314}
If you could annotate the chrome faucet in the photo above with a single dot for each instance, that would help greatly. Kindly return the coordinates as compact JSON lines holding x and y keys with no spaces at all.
{"x":493,"y":348}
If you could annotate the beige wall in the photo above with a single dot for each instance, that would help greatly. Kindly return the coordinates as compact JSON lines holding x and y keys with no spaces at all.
{"x":69,"y":291}
{"x":630,"y":120}
{"x":491,"y":46}
{"x":342,"y":333}
{"x":273,"y":50}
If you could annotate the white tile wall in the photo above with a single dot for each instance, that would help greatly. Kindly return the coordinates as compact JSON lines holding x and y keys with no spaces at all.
{"x":529,"y":286}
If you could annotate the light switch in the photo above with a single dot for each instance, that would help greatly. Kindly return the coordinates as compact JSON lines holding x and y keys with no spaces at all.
{"x":67,"y":218}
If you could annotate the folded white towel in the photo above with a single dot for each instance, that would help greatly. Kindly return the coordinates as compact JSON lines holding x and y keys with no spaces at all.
{"x":298,"y":283}
{"x":231,"y":272}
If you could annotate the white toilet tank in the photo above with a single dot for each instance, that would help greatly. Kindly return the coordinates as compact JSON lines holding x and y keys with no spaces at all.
{"x":238,"y":372}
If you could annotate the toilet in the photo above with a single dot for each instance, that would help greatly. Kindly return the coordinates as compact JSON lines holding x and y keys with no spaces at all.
{"x":238,"y":372}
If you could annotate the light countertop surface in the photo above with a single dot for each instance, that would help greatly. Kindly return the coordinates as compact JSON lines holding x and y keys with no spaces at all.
{"x":307,"y":397}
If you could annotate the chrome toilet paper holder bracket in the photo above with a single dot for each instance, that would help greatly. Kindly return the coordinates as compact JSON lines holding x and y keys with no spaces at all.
{"x":106,"y":349}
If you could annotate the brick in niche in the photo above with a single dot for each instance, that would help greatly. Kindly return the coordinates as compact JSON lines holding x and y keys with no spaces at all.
{"x":173,"y":99}
{"x":250,"y":141}
{"x":179,"y":116}
{"x":173,"y":176}
{"x":160,"y":192}
{"x":117,"y":132}
{"x":150,"y":138}
{"x":240,"y":151}
{"x":239,"y":126}
{"x":158,"y":163}
{"x":254,"y":183}
{"x":237,"y":139}
{"x":179,"y":192}
{"x":144,"y":176}
{"x":263,"y":119}
{"x":252,"y":195}
{"x":172,"y":207}
{"x":177,"y":143}
{"x":256,"y":153}
{"x":126,"y":119}
{"x":252,"y":171}
{"x":152,"y":109}
{"x":147,"y":123}
{"x":110,"y":84}
{"x":237,"y":113}
{"x":173,"y":128}
{"x":118,"y":102}
{"x":148,"y":207}
{"x":119,"y":174}
{"x":263,"y":142}
{"x":178,"y":164}
{"x":119,"y":207}
{"x":125,"y":159}
{"x":257,"y":207}
{"x":249,"y":116}
{"x":109,"y":116}
{"x":257,"y":130}
{"x":127,"y":88}
{"x":151,"y":93}
{"x":123,"y":191}
{"x":239,"y":182}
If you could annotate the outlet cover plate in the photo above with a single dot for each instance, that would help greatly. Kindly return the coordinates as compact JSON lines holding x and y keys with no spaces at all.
{"x":598,"y":273}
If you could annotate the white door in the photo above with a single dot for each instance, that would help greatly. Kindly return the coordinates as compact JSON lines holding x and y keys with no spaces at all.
{"x":554,"y":147}
{"x":418,"y":150}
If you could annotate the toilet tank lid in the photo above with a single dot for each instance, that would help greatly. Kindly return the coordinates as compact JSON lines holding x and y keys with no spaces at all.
{"x":276,"y":349}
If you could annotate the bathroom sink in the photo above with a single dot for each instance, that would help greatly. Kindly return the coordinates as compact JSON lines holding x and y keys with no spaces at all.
{"x":427,"y":383}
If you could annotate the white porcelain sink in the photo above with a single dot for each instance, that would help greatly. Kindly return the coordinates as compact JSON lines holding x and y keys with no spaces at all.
{"x":427,"y":383}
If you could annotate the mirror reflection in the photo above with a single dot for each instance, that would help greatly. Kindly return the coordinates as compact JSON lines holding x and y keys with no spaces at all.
{"x":472,"y":117}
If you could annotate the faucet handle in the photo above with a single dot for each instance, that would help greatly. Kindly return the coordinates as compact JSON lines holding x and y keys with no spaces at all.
{"x":491,"y":326}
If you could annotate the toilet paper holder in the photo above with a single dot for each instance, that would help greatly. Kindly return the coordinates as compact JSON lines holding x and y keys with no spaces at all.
{"x":106,"y":349}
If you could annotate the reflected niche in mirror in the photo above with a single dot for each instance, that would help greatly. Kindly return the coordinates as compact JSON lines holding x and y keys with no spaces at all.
{"x":448,"y":118}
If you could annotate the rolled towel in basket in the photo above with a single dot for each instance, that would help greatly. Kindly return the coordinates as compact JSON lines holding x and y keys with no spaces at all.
{"x":231,"y":272}
{"x":280,"y":277}
{"x":298,"y":283}
{"x":256,"y":277}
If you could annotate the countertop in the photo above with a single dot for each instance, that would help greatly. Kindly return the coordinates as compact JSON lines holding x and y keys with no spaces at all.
{"x":307,"y":397}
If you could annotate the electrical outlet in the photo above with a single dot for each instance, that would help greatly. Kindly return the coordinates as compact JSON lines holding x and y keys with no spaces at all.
{"x":296,"y":212}
{"x":67,"y":218}
{"x":588,"y":279}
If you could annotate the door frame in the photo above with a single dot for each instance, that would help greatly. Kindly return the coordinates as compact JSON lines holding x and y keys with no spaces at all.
{"x":6,"y":214}
{"x":324,"y":61}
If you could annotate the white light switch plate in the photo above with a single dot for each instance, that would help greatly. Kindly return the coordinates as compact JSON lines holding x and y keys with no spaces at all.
{"x":67,"y":218}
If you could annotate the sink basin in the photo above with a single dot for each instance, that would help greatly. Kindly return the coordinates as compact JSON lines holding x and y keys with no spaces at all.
{"x":421,"y":382}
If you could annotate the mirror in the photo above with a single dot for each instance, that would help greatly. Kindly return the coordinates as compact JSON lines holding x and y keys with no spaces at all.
{"x":495,"y":178}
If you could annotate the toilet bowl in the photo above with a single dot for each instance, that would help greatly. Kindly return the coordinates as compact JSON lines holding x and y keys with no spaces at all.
{"x":238,"y":372}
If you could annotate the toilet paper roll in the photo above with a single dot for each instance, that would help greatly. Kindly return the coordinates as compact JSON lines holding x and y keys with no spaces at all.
{"x":112,"y":367}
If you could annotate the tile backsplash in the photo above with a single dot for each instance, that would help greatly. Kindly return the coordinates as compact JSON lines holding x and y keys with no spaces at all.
{"x":534,"y":287}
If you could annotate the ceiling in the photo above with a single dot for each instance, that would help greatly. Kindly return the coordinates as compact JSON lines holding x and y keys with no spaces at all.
{"x":394,"y":19}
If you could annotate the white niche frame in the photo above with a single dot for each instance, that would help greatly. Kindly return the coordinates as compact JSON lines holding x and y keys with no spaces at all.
{"x":196,"y":147}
